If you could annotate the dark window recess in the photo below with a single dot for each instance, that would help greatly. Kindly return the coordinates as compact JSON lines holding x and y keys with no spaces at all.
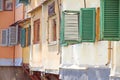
{"x":51,"y":9}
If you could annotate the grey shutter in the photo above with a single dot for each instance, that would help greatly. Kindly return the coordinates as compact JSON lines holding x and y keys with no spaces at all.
{"x":69,"y":33}
{"x":13,"y":35}
{"x":4,"y":40}
{"x":1,"y":5}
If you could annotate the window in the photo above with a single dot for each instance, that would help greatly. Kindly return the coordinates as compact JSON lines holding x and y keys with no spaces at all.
{"x":52,"y":30}
{"x":4,"y":37}
{"x":6,"y":5}
{"x":70,"y":28}
{"x":110,"y":19}
{"x":36,"y":31}
{"x":51,"y":9}
{"x":1,"y":5}
{"x":87,"y":24}
{"x":13,"y":35}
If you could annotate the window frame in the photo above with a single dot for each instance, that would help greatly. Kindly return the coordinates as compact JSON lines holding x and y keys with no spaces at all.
{"x":4,"y":6}
{"x":52,"y":42}
{"x":36,"y":40}
{"x":64,"y":42}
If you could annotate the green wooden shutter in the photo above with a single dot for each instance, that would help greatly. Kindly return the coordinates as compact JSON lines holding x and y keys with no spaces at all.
{"x":70,"y":28}
{"x":24,"y":1}
{"x":29,"y":35}
{"x":110,"y":20}
{"x":87,"y":24}
{"x":23,"y":37}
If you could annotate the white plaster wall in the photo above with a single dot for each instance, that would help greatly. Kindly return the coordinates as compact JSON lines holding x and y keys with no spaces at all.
{"x":116,"y":58}
{"x":86,"y":54}
{"x":72,"y":4}
{"x":92,"y":3}
{"x":35,"y":49}
{"x":50,"y":55}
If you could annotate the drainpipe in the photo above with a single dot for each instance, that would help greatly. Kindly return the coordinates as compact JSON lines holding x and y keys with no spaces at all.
{"x":59,"y":9}
{"x":85,"y":3}
{"x":109,"y":53}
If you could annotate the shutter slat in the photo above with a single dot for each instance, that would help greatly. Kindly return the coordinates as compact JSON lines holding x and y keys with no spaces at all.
{"x":13,"y":35}
{"x":70,"y":28}
{"x":4,"y":37}
{"x":110,"y":20}
{"x":88,"y":24}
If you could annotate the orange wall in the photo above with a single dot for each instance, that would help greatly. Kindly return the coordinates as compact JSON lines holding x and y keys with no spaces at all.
{"x":19,"y":12}
{"x":19,"y":15}
{"x":6,"y":18}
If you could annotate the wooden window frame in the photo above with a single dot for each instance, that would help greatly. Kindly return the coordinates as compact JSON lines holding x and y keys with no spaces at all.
{"x":52,"y":41}
{"x":36,"y":39}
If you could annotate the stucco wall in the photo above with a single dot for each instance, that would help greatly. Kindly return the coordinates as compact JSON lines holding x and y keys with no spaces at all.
{"x":19,"y":12}
{"x":84,"y":53}
{"x":50,"y":51}
{"x":35,"y":60}
{"x":6,"y":19}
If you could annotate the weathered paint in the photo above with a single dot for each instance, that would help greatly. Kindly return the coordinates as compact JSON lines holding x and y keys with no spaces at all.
{"x":35,"y":60}
{"x":115,"y":58}
{"x":19,"y":15}
{"x":50,"y":51}
{"x":25,"y":50}
{"x":84,"y":53}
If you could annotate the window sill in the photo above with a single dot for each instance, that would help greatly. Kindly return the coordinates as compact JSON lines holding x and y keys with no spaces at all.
{"x":52,"y":43}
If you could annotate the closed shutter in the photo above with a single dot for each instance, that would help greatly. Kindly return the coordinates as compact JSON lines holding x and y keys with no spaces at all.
{"x":29,"y":35}
{"x":87,"y":24}
{"x":13,"y":35}
{"x":4,"y":37}
{"x":23,"y":37}
{"x":1,"y":5}
{"x":70,"y":27}
{"x":110,"y":20}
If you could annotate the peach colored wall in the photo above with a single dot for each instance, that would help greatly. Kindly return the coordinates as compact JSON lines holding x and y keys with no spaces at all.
{"x":18,"y":51}
{"x":6,"y":19}
{"x":19,"y":12}
{"x":19,"y":15}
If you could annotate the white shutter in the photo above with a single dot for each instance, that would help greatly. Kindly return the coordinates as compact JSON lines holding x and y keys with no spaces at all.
{"x":71,"y":31}
{"x":4,"y":37}
{"x":1,"y":5}
{"x":13,"y":35}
